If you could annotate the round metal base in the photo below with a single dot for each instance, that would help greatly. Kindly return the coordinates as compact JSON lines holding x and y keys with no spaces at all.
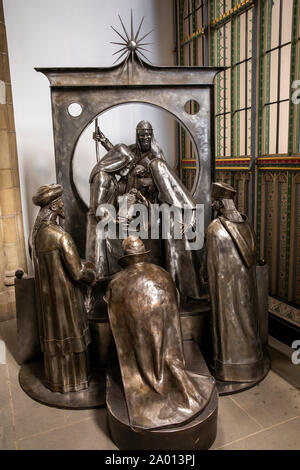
{"x":31,"y":380}
{"x":198,"y":434}
{"x":229,"y":388}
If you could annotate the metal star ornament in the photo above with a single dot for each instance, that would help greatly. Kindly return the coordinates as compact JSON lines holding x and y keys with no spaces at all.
{"x":132,"y":43}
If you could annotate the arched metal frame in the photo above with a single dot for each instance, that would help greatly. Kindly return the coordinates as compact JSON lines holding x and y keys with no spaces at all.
{"x":149,"y":104}
{"x":98,"y":89}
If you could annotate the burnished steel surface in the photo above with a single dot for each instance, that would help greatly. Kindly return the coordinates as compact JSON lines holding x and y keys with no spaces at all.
{"x":145,"y":178}
{"x":195,"y":325}
{"x":99,"y":89}
{"x":102,"y":342}
{"x":63,"y":326}
{"x":198,"y":434}
{"x":31,"y":378}
{"x":134,"y":74}
{"x":231,"y":255}
{"x":262,"y":276}
{"x":27,"y":319}
{"x":194,"y":320}
{"x":144,"y":316}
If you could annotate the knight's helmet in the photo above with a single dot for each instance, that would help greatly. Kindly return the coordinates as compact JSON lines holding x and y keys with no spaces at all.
{"x":143,"y":125}
{"x":155,"y":148}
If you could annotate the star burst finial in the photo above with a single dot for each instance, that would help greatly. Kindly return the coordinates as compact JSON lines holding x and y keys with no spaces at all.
{"x":132,"y":43}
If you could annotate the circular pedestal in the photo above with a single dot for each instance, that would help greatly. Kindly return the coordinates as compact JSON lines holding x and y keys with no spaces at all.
{"x":197,"y":434}
{"x":228,"y":388}
{"x":31,"y":380}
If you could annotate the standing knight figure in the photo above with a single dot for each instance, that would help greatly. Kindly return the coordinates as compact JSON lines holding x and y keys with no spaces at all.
{"x":231,"y":266}
{"x":63,"y":325}
{"x":140,"y":167}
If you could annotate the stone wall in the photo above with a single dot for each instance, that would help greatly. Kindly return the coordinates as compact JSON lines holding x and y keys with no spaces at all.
{"x":12,"y":248}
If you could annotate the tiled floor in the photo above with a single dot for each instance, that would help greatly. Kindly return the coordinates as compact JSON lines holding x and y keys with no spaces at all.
{"x":265,"y":417}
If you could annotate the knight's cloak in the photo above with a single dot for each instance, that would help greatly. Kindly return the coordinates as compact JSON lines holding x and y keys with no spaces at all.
{"x":231,"y":249}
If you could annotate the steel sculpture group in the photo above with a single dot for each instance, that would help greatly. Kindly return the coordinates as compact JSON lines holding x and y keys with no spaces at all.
{"x":160,"y":391}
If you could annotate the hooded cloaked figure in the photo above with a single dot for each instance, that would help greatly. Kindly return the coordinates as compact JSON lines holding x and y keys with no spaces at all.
{"x":231,"y":267}
{"x":144,"y":317}
{"x":141,"y":167}
{"x":58,"y":269}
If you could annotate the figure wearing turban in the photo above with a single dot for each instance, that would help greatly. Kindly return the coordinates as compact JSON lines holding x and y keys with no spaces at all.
{"x":63,"y":327}
{"x":231,"y":267}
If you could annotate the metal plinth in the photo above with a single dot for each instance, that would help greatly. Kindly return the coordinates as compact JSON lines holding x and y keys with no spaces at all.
{"x":229,"y":388}
{"x":198,"y":434}
{"x":29,"y":347}
{"x":194,"y":318}
{"x":31,"y":380}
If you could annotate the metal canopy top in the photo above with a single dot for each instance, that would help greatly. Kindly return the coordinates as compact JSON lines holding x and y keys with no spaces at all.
{"x":135,"y":73}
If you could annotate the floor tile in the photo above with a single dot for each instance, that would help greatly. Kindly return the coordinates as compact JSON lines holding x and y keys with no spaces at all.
{"x":86,"y":435}
{"x":74,"y":416}
{"x":7,"y":440}
{"x":32,"y":417}
{"x":271,"y":402}
{"x":7,"y":437}
{"x":280,"y":437}
{"x":282,"y":365}
{"x":265,"y":417}
{"x":233,"y":423}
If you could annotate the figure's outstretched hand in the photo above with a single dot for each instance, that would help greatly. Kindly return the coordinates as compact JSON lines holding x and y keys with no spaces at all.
{"x":105,"y":215}
{"x":190,"y":225}
{"x":91,"y":277}
{"x":140,"y":199}
{"x":89,"y":273}
{"x":98,"y":136}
